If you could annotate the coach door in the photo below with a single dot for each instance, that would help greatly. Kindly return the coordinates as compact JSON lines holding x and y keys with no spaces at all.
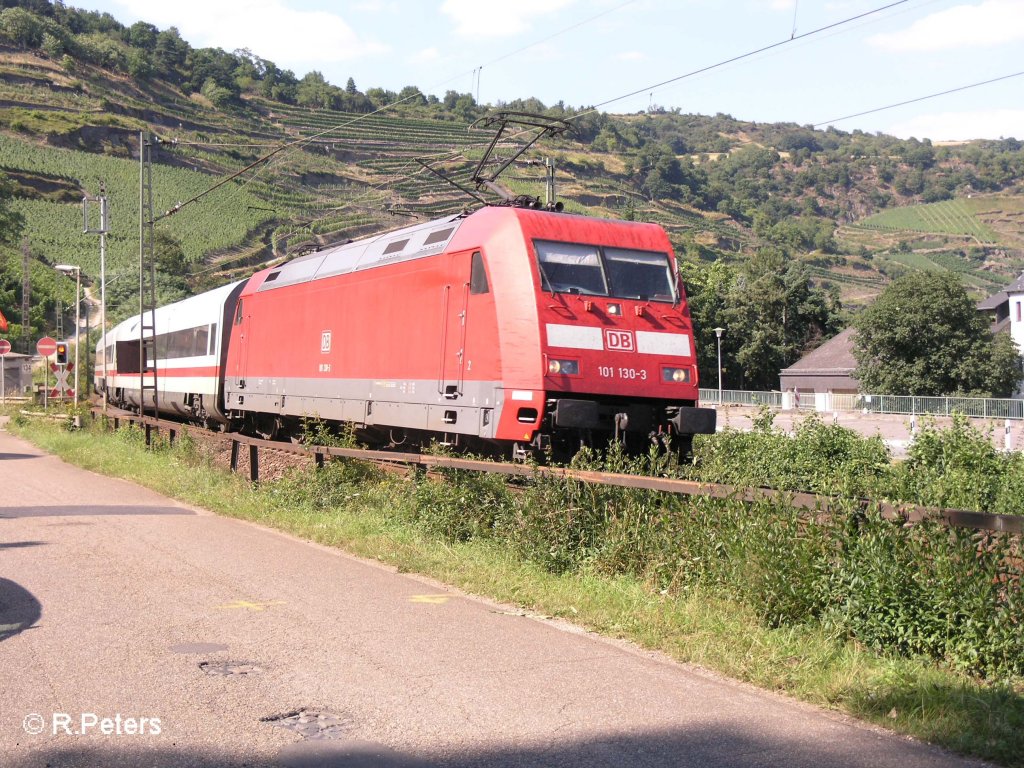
{"x":243,"y":325}
{"x":454,"y":321}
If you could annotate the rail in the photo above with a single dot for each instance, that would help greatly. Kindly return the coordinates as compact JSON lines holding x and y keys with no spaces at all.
{"x":907,"y":513}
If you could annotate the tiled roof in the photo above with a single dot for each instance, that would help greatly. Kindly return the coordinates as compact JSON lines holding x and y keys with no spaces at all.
{"x":834,"y":356}
{"x":1017,"y":286}
{"x":994,"y":301}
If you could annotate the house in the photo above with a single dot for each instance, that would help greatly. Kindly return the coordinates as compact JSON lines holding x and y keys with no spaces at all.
{"x":1005,"y":309}
{"x":826,"y":371}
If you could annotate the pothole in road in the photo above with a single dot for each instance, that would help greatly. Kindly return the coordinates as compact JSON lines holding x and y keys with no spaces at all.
{"x":230,"y":668}
{"x":312,"y":724}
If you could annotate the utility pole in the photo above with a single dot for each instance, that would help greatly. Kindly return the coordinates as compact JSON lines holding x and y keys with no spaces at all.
{"x":101,"y":230}
{"x":147,"y":277}
{"x":549,"y":188}
{"x":26,"y":295}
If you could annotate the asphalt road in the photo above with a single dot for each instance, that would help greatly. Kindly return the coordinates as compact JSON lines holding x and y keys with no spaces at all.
{"x":119,"y":607}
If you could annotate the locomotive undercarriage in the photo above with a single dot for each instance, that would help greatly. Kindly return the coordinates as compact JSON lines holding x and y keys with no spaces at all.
{"x":571,"y":423}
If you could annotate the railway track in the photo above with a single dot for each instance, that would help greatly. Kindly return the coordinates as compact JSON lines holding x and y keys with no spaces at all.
{"x":906,"y":513}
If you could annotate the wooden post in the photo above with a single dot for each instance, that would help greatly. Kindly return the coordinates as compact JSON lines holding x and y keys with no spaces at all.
{"x":254,"y":464}
{"x":234,"y":455}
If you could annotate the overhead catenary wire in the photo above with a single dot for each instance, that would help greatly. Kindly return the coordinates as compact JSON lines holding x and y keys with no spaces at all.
{"x":919,"y":98}
{"x":747,"y":55}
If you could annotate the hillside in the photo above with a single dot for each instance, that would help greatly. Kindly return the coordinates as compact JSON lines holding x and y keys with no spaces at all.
{"x":76,"y":88}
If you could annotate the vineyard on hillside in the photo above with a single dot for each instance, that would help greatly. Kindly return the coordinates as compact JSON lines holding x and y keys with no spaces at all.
{"x":950,"y":217}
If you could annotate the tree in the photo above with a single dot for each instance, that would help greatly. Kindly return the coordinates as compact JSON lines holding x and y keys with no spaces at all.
{"x":923,"y":336}
{"x":315,"y":91}
{"x":775,"y":314}
{"x":771,"y":313}
{"x":170,"y":53}
{"x":21,"y":27}
{"x":142,"y":34}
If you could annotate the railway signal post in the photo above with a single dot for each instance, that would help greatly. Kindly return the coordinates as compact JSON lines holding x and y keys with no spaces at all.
{"x":5,"y":347}
{"x":67,"y":269}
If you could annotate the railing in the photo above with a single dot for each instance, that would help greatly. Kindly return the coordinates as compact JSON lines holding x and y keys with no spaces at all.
{"x":741,"y":397}
{"x":907,"y":405}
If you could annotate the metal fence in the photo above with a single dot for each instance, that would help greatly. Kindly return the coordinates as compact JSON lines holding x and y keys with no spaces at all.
{"x":908,"y":405}
{"x":740,"y":397}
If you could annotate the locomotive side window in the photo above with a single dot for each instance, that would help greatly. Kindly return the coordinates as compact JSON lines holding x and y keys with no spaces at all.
{"x":478,"y":276}
{"x":641,"y":275}
{"x":571,"y":268}
{"x":238,"y":313}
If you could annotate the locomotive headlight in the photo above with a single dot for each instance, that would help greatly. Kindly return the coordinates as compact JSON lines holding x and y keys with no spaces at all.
{"x":615,"y":310}
{"x":676,"y":375}
{"x":564,"y":367}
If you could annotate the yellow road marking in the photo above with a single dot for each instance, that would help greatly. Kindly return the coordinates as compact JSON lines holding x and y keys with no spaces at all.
{"x":252,"y":606}
{"x":431,"y":599}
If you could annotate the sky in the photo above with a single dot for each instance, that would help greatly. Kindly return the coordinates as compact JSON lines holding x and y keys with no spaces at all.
{"x":594,"y":52}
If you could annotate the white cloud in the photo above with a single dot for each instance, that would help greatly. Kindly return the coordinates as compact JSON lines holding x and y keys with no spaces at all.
{"x":963,"y":126}
{"x":989,"y":23}
{"x":268,"y":28}
{"x":427,"y":54}
{"x":775,"y":5}
{"x":632,"y":56}
{"x":480,"y":18}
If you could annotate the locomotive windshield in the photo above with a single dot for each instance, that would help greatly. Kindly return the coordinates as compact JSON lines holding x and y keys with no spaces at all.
{"x":605,"y":271}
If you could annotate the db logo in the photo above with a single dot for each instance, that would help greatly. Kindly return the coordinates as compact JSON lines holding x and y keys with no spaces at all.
{"x":325,"y":341}
{"x":618,"y":341}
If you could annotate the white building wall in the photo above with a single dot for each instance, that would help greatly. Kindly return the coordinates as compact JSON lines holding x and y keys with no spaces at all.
{"x":1017,"y":325}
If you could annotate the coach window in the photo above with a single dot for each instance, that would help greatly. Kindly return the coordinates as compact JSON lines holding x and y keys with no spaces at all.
{"x":478,"y":276}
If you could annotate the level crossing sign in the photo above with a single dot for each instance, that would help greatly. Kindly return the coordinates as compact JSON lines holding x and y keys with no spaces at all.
{"x":61,"y":387}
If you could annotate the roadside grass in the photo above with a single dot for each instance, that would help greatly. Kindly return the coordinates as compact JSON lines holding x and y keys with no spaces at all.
{"x":374,"y":515}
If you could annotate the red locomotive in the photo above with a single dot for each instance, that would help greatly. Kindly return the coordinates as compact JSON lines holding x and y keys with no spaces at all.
{"x":503,"y":327}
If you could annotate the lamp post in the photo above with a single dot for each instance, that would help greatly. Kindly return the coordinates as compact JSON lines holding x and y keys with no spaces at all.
{"x":101,"y":230}
{"x":67,"y":269}
{"x":718,"y":336}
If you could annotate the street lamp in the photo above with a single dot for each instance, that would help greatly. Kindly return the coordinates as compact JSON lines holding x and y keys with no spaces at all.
{"x":101,"y":230}
{"x":718,"y":335}
{"x":67,"y":269}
